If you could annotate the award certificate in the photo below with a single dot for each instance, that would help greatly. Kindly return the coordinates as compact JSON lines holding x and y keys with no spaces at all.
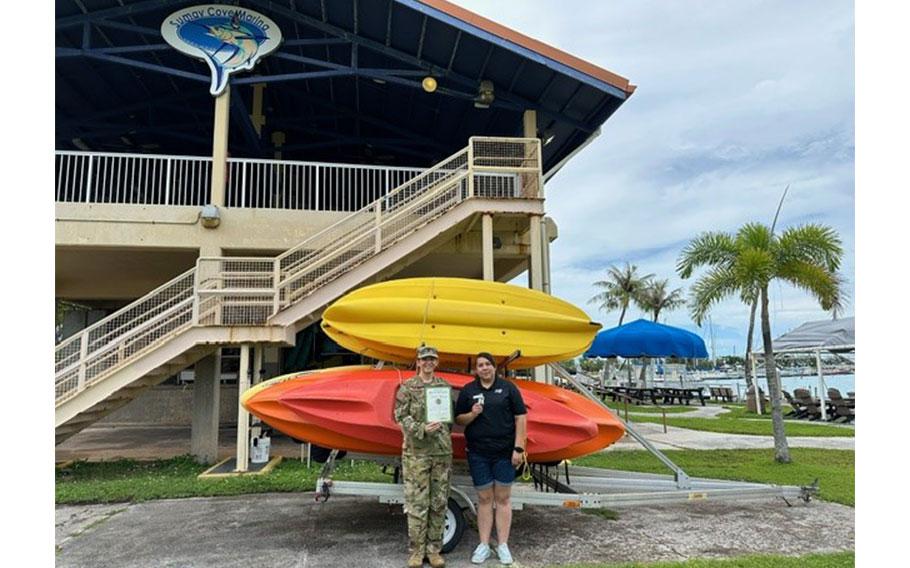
{"x":439,"y":404}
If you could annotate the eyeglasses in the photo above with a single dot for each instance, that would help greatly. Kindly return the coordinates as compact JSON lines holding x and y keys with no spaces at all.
{"x":428,"y":359}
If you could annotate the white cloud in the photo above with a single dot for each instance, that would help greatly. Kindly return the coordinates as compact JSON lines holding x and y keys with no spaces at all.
{"x":735,"y":100}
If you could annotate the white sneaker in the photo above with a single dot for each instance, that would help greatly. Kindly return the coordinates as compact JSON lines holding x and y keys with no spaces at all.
{"x":481,"y":553}
{"x":502,"y":551}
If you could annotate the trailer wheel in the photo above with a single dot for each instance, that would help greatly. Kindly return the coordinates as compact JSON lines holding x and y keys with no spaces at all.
{"x":454,"y":527}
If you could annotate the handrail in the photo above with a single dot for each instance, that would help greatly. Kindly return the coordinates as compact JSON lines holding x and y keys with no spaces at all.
{"x":366,"y":208}
{"x":229,"y":160}
{"x":369,"y":228}
{"x":227,"y":293}
{"x":125,"y":308}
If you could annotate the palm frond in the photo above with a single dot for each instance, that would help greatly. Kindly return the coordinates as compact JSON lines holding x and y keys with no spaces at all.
{"x":840,"y":303}
{"x":707,"y":249}
{"x":710,"y":289}
{"x":818,"y":244}
{"x":754,"y":268}
{"x":815,"y":279}
{"x":755,"y":236}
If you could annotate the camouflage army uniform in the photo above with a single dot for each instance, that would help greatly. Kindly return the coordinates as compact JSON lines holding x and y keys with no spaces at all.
{"x":426,"y":461}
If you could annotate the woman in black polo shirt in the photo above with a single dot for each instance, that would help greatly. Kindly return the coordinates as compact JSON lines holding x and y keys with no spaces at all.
{"x":495,"y":420}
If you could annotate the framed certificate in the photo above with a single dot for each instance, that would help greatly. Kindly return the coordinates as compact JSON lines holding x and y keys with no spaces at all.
{"x":439,"y":404}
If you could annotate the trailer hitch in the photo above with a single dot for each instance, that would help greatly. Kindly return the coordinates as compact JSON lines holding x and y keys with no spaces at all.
{"x":807,"y":492}
{"x":323,"y":490}
{"x":324,"y":483}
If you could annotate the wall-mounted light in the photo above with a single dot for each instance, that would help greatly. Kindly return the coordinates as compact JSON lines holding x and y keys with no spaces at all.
{"x":210,"y":216}
{"x":429,"y":84}
{"x":485,"y":95}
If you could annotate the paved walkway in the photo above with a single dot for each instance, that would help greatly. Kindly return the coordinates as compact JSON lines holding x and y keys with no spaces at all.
{"x":291,"y":530}
{"x":682,"y":438}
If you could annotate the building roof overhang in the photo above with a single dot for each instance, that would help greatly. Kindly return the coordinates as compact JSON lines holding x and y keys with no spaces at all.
{"x":345,"y":85}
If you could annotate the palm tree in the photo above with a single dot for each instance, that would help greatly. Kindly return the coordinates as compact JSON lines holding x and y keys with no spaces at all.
{"x":620,"y":289}
{"x":655,"y":298}
{"x":807,"y":257}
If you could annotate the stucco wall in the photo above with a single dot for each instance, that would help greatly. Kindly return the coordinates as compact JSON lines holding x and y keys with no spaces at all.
{"x":171,"y":405}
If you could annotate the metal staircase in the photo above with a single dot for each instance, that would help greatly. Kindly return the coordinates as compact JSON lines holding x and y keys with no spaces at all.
{"x":233,"y":300}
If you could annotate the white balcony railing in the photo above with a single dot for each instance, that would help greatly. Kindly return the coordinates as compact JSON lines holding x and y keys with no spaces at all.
{"x":234,"y":291}
{"x":152,"y":179}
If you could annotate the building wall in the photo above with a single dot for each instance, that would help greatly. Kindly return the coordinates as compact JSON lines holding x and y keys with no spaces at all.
{"x":179,"y":227}
{"x":170,"y":405}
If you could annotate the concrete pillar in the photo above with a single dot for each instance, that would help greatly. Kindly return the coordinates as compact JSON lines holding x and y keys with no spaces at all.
{"x":536,"y":264}
{"x":206,"y":404}
{"x":545,"y":255}
{"x":535,"y":274}
{"x":243,"y":417}
{"x":220,"y":147}
{"x":545,"y":277}
{"x":529,"y":124}
{"x":531,"y":184}
{"x":487,"y":240}
{"x":256,"y":117}
{"x":256,"y":378}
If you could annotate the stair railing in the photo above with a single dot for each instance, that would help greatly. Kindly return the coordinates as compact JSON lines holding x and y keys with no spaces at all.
{"x":247,"y":291}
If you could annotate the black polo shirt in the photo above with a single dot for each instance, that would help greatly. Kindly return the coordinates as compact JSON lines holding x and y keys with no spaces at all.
{"x":492,"y":433}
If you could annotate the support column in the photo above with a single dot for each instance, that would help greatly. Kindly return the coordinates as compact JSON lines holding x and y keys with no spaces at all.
{"x":529,"y":124}
{"x":536,"y":264}
{"x":206,"y":405}
{"x":531,"y":184}
{"x":822,"y":390}
{"x":220,"y":147}
{"x":545,"y":255}
{"x":487,"y":240}
{"x":256,"y":378}
{"x":545,"y":276}
{"x":243,"y":417}
{"x":536,"y":277}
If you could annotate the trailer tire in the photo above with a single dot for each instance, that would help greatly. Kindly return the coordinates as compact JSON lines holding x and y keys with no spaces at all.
{"x":454,"y":527}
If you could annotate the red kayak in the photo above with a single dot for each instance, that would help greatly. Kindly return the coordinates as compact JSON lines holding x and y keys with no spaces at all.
{"x":350,"y":408}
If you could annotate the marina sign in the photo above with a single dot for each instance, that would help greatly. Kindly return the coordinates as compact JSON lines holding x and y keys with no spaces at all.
{"x":227,"y":38}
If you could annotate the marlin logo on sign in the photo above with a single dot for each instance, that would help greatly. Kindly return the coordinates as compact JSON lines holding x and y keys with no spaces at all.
{"x":228,"y":38}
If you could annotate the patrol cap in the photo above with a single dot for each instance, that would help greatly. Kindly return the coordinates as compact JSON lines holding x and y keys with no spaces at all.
{"x":427,"y":351}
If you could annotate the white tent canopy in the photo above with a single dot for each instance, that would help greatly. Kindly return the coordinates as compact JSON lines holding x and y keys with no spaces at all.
{"x":826,"y":335}
{"x":833,"y":336}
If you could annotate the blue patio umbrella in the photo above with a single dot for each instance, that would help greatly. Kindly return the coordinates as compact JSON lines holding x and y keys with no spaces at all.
{"x":643,"y":338}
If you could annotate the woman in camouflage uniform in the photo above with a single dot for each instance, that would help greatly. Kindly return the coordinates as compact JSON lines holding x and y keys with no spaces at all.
{"x":426,"y":460}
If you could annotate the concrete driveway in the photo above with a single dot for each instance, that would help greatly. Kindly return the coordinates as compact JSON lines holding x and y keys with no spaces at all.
{"x":291,"y":530}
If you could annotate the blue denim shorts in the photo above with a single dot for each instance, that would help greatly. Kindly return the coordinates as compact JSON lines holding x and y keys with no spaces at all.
{"x":485,"y":471}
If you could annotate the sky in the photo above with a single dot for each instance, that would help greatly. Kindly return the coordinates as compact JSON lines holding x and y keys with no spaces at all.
{"x":735,"y":101}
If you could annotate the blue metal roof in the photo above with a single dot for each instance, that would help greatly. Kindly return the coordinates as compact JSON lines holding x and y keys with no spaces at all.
{"x":343,"y":86}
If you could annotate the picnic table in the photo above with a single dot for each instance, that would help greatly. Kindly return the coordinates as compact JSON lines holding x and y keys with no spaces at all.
{"x":684,"y":395}
{"x":656,"y":395}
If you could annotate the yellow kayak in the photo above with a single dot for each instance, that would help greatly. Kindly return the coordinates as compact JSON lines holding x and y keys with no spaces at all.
{"x":459,"y":317}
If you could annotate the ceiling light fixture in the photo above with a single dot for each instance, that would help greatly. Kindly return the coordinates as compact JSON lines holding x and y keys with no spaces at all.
{"x":429,"y":84}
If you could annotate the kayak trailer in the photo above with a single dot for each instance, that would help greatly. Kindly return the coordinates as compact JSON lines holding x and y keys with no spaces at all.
{"x":563,"y":485}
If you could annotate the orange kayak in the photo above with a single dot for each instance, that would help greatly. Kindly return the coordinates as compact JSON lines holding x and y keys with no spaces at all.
{"x":350,"y":408}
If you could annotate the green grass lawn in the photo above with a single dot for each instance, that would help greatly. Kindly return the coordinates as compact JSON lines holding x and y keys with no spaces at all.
{"x":133,"y":481}
{"x":833,"y":560}
{"x":646,"y":409}
{"x":737,"y":425}
{"x":833,"y":468}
